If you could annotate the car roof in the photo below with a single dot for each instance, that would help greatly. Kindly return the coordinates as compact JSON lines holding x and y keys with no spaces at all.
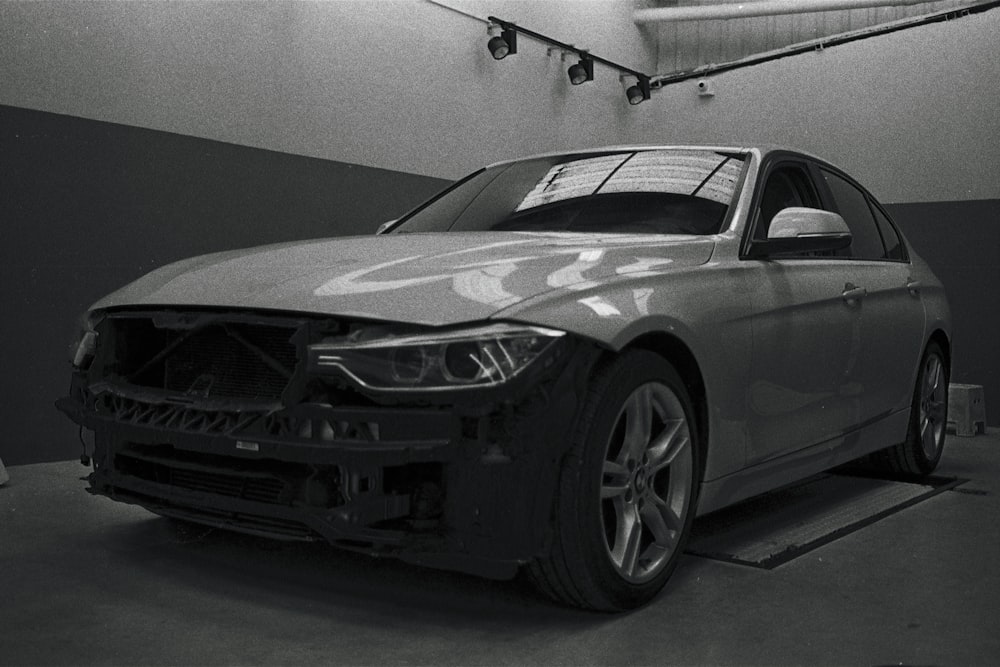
{"x":759,"y":149}
{"x":621,"y":148}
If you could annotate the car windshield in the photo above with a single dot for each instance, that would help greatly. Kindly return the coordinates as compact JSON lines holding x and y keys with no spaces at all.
{"x":668,"y":191}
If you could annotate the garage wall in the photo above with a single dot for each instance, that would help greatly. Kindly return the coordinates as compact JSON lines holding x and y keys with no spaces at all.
{"x":87,"y":206}
{"x":961,"y":241}
{"x":398,"y":84}
{"x":339,"y":115}
{"x":408,"y":85}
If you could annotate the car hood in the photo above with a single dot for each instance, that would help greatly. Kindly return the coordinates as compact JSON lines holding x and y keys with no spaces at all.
{"x":433,"y":279}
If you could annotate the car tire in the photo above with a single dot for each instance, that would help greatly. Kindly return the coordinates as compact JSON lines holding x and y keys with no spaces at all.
{"x":627,"y":491}
{"x":919,"y":454}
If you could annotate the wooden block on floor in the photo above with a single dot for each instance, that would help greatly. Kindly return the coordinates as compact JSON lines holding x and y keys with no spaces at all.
{"x":966,"y":409}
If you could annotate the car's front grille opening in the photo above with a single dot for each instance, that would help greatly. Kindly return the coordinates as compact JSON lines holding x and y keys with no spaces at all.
{"x":270,"y":482}
{"x":255,"y":524}
{"x":256,"y":488}
{"x":238,"y":361}
{"x":217,"y":360}
{"x":260,"y":490}
{"x":409,"y":496}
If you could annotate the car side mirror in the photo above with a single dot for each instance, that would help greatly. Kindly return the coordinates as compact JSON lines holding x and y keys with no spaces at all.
{"x":385,"y":226}
{"x":799,"y":230}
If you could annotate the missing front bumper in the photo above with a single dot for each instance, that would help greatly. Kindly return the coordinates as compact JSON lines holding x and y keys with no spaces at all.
{"x":466,"y":488}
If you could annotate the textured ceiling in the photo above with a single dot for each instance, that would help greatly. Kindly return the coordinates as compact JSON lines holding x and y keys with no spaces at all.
{"x":685,"y":45}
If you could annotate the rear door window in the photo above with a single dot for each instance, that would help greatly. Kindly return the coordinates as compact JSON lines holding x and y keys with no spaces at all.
{"x":852,"y":205}
{"x":893,"y":244}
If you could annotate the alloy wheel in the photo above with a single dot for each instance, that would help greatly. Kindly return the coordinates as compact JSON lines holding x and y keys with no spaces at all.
{"x":933,"y":405}
{"x":647,"y":482}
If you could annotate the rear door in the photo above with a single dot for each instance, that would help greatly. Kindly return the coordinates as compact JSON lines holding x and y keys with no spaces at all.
{"x":892,"y":314}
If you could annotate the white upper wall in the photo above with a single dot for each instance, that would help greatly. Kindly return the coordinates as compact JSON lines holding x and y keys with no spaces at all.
{"x":410,"y":86}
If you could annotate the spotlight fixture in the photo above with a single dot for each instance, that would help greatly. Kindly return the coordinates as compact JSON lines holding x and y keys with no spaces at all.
{"x":504,"y":44}
{"x":637,"y":89}
{"x":582,"y":71}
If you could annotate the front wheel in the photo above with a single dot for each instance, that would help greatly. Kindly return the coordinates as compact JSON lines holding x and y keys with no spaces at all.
{"x":627,"y":491}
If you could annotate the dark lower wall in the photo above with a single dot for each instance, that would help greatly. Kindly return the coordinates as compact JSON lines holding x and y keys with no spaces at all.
{"x":961,"y":242}
{"x":87,"y":206}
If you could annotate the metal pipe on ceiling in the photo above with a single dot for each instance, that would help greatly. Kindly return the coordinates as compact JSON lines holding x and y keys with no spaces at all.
{"x":757,"y":8}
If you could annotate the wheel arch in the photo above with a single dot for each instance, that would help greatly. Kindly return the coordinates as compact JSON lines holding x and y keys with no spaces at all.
{"x":679,"y":355}
{"x":941,"y":338}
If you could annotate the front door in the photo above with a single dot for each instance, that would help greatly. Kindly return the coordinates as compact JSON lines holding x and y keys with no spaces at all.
{"x":807,"y":330}
{"x":807,"y":356}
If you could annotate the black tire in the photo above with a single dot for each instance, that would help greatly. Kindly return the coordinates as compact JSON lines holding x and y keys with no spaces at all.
{"x":919,"y":454}
{"x":622,"y":515}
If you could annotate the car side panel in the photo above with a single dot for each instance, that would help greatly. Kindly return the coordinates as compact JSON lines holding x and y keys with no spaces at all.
{"x":789,"y":468}
{"x":807,"y":356}
{"x":706,"y":308}
{"x":937,"y":313}
{"x":892,"y":338}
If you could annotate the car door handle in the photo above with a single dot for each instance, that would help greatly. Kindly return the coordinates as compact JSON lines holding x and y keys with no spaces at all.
{"x":914,"y":286}
{"x":853,"y":293}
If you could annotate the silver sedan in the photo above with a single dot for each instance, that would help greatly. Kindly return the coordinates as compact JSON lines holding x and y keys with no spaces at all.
{"x":554,"y":366}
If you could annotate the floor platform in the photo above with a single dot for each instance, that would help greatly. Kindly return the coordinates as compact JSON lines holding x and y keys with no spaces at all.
{"x":839,"y":570}
{"x":772,"y":529}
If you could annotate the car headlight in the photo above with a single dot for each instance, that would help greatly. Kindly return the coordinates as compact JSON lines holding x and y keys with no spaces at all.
{"x":464,"y":358}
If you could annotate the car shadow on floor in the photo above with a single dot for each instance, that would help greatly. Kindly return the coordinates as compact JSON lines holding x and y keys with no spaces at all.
{"x":318,"y":576}
{"x":259,"y":570}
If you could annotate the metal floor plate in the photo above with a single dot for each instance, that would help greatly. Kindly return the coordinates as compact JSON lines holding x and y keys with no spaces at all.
{"x":772,"y":529}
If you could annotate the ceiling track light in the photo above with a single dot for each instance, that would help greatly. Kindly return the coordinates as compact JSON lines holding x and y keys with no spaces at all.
{"x":582,"y":71}
{"x":638,"y":86}
{"x":503,"y":41}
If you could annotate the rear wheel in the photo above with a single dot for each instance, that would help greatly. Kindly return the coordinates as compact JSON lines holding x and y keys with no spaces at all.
{"x":919,"y":454}
{"x":627,"y":491}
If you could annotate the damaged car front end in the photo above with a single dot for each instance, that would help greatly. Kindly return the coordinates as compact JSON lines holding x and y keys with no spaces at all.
{"x":386,"y":439}
{"x":483,"y":386}
{"x":553,"y":365}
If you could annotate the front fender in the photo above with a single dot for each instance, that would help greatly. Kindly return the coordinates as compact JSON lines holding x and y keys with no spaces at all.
{"x":706,"y":309}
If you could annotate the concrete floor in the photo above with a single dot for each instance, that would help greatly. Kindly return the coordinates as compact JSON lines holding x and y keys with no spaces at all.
{"x":89,"y":582}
